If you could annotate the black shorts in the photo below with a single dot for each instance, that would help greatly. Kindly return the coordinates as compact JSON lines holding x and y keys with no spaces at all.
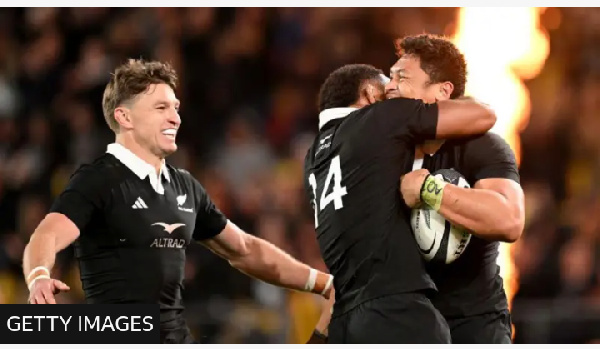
{"x":492,"y":328}
{"x":396,"y":319}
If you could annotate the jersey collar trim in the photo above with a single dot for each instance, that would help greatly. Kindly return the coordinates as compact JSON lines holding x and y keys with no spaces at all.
{"x":333,"y":113}
{"x":138,"y":166}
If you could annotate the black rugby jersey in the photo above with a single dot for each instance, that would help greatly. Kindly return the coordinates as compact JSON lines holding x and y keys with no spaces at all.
{"x":472,"y":284}
{"x":134,"y":229}
{"x":352,"y":173}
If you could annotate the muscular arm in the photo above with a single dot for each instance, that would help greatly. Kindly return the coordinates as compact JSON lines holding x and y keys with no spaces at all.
{"x":463,"y":117}
{"x":54,"y":233}
{"x":492,"y":210}
{"x":416,"y":122}
{"x":262,"y":260}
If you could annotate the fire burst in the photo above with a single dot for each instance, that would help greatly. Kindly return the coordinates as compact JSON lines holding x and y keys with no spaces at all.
{"x":503,"y":46}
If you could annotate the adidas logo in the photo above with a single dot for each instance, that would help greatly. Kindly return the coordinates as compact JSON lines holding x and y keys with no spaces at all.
{"x":139,"y":204}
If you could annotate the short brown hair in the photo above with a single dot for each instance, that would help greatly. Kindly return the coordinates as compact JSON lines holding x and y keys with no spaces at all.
{"x":131,"y":79}
{"x":439,"y":58}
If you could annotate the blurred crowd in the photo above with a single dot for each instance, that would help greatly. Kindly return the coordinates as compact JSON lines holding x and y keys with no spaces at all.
{"x":558,"y":256}
{"x":248,"y":84}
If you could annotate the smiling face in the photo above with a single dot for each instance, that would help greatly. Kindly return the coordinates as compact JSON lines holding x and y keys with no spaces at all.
{"x":153,"y":119}
{"x":140,"y":106}
{"x":431,"y":68}
{"x":409,"y":80}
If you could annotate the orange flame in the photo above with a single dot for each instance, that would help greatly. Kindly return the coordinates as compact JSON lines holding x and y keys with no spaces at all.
{"x":502,"y":47}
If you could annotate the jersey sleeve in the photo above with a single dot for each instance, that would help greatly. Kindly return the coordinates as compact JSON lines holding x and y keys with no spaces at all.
{"x":209,"y":220}
{"x":410,"y":119}
{"x":489,"y":156}
{"x":84,"y":195}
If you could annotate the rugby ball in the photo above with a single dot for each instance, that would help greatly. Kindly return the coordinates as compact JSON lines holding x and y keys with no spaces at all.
{"x":439,"y":240}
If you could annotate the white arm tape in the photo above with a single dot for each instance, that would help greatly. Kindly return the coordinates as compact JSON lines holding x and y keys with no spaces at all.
{"x":37,"y":269}
{"x":312,"y":279}
{"x":37,"y":278}
{"x":327,"y":285}
{"x":41,"y":276}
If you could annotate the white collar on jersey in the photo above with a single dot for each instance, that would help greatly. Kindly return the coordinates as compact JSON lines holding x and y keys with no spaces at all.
{"x":140,"y":167}
{"x":333,"y":113}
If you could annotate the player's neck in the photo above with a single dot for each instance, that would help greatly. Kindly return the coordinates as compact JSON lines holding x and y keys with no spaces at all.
{"x":362,"y":102}
{"x":140,"y":151}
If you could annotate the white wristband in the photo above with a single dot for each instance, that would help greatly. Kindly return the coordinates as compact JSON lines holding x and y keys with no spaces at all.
{"x":37,"y":278}
{"x":312,"y":279}
{"x":37,"y":269}
{"x":327,"y":285}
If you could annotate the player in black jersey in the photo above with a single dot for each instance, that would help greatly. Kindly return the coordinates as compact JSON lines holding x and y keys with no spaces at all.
{"x":352,"y":173}
{"x":471,"y":294}
{"x":131,"y":216}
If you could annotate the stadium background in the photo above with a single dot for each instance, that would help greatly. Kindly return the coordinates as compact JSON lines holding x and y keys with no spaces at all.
{"x":248,"y":84}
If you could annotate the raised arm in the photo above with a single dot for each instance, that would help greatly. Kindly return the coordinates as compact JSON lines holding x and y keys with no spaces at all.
{"x":415,"y":121}
{"x":463,"y":117}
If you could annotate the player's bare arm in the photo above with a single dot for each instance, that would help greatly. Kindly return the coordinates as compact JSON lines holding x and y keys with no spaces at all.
{"x":262,"y":260}
{"x":54,"y":233}
{"x":493,"y":209}
{"x":463,"y":117}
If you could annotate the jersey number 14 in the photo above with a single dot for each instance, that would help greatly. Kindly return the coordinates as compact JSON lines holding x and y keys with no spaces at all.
{"x":337,"y":191}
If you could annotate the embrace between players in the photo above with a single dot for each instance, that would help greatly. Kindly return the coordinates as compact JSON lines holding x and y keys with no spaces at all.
{"x":116,"y":208}
{"x":366,"y":149}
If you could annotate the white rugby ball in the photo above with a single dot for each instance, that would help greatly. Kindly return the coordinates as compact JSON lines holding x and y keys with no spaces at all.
{"x":439,"y":240}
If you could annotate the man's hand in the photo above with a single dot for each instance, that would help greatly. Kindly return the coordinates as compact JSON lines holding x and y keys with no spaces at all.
{"x":410,"y":187}
{"x":43,"y":291}
{"x":329,"y":293}
{"x":321,"y":332}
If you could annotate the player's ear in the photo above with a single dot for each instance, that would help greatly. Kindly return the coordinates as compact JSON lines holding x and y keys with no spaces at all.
{"x":445,"y":91}
{"x":370,"y":93}
{"x":123,"y":117}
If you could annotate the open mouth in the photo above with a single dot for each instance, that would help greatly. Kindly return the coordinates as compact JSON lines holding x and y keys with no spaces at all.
{"x":170,"y":133}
